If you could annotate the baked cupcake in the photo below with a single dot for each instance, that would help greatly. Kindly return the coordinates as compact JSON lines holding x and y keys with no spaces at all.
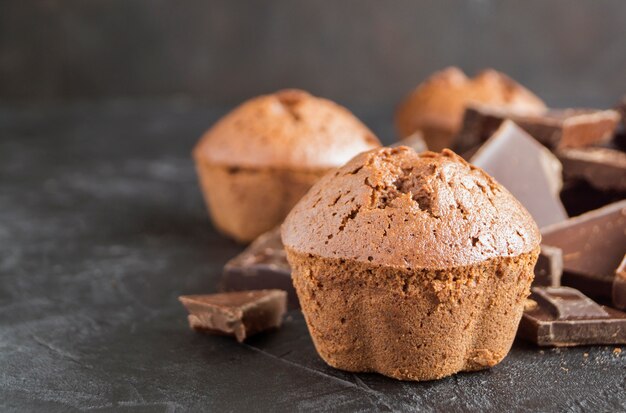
{"x":257,"y":161}
{"x":436,"y":106}
{"x":415,"y":266}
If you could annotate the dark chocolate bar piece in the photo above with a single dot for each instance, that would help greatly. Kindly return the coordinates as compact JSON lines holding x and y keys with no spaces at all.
{"x":565,"y":317}
{"x":619,"y":286}
{"x":527,"y":169}
{"x":239,"y":314}
{"x":479,"y":123}
{"x":415,"y":141}
{"x":262,"y":265}
{"x":549,"y":267}
{"x":602,"y":168}
{"x":571,"y":128}
{"x":579,"y":197}
{"x":593,"y":245}
{"x":556,"y":128}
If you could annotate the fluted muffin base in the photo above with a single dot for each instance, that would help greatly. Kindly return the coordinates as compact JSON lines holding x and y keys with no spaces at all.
{"x":412,"y":325}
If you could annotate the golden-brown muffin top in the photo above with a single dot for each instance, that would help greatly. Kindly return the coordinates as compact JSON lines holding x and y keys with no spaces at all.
{"x":287,"y":129}
{"x":439,"y":102}
{"x":395,"y":207}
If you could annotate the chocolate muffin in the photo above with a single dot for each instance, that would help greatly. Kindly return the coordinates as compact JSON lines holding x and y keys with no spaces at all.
{"x":415,"y":266}
{"x":257,"y":161}
{"x":436,"y":106}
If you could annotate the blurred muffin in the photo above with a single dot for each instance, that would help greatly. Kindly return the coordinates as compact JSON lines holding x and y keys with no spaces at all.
{"x":415,"y":266}
{"x":436,"y":106}
{"x":256,"y":162}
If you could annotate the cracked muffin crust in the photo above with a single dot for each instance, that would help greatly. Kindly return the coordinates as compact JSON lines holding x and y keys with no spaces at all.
{"x":412,"y":265}
{"x":256,"y":162}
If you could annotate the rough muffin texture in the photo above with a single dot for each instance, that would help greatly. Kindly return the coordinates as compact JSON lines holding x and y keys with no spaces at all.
{"x":437,"y":105}
{"x":257,"y":161}
{"x":412,"y":265}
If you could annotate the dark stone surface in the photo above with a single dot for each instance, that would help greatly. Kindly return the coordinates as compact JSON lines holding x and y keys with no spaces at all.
{"x":102,"y":227}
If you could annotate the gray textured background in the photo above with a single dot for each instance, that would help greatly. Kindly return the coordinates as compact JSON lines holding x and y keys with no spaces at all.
{"x":571,"y":52}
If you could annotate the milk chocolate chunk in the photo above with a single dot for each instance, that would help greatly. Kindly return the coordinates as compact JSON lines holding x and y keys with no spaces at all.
{"x":555,"y":128}
{"x":602,"y":168}
{"x":571,"y":128}
{"x":593,"y":245}
{"x":239,"y":314}
{"x":527,"y":169}
{"x":549,"y":267}
{"x":262,"y":265}
{"x":619,"y":286}
{"x":565,"y":317}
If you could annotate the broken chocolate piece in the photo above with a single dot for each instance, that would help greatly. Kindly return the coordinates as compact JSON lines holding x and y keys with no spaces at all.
{"x":262,"y":265}
{"x":566,"y":317}
{"x":549,"y":267}
{"x":555,"y":128}
{"x":619,"y":286}
{"x":414,"y":141}
{"x":527,"y":169}
{"x":579,"y":197}
{"x":593,"y":245}
{"x":602,"y":168}
{"x":239,"y":314}
{"x":571,"y":128}
{"x":479,"y":123}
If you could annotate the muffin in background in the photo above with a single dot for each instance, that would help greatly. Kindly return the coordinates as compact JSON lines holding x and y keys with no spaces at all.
{"x":436,"y":106}
{"x":256,"y":162}
{"x":415,"y":266}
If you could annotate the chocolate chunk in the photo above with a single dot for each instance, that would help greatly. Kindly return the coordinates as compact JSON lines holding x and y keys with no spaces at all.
{"x":571,"y":128}
{"x":549,"y":267}
{"x":239,"y":314}
{"x":415,"y":141}
{"x":564,"y":317}
{"x":479,"y":123}
{"x":527,"y":169}
{"x":579,"y":197}
{"x":262,"y":265}
{"x":593,"y":245}
{"x":556,"y":128}
{"x":602,"y":168}
{"x":619,"y":286}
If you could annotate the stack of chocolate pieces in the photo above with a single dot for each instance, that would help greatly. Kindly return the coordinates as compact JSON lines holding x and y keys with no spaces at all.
{"x":562,"y":157}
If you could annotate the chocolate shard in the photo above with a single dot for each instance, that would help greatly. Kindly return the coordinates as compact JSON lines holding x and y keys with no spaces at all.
{"x":549,"y":267}
{"x":262,"y":265}
{"x":593,"y":245}
{"x":565,"y":317}
{"x":571,"y":128}
{"x":579,"y":197}
{"x":619,"y":286}
{"x":240,"y":314}
{"x":555,"y":128}
{"x":479,"y":123}
{"x":602,"y":168}
{"x":415,"y":141}
{"x":527,"y":169}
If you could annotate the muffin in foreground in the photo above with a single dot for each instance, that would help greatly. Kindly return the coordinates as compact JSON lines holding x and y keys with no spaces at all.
{"x":415,"y":266}
{"x":256,"y":162}
{"x":437,"y":105}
